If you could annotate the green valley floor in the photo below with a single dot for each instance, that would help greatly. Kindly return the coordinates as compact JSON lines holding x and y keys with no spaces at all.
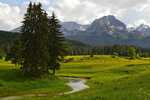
{"x":108,"y":78}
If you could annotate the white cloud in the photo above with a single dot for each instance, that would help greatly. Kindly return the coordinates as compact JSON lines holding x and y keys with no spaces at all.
{"x":132,"y":12}
{"x":10,"y":16}
{"x":85,"y":11}
{"x":122,"y":4}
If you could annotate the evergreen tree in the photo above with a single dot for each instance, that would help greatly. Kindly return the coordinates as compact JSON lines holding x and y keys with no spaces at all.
{"x":35,"y":41}
{"x":56,"y":43}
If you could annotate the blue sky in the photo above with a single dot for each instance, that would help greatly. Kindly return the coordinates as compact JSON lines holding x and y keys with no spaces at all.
{"x":12,"y":2}
{"x":20,"y":2}
{"x":131,"y":12}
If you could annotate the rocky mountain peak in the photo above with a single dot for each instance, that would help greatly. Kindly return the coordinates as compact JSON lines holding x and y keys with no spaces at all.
{"x":142,"y":27}
{"x":109,"y":24}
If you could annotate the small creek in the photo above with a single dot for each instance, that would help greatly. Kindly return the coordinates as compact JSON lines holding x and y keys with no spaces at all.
{"x":77,"y":85}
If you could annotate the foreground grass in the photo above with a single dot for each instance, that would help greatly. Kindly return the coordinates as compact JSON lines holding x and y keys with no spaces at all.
{"x":12,"y":83}
{"x":110,"y":79}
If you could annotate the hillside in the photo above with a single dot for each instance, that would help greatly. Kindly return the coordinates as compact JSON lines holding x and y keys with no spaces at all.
{"x":6,"y":39}
{"x":107,"y":30}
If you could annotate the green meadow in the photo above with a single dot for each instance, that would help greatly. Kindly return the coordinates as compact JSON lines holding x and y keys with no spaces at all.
{"x":109,"y":78}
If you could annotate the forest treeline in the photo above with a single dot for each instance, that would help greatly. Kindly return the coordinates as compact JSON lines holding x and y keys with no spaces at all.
{"x":78,"y":48}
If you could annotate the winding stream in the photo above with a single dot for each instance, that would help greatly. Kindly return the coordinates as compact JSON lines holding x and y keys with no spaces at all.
{"x":77,"y":85}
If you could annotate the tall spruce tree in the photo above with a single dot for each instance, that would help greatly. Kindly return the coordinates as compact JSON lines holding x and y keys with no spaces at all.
{"x":56,"y":43}
{"x":35,"y":41}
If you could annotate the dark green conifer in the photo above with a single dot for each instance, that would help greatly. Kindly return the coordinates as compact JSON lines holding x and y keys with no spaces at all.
{"x":35,"y":41}
{"x":56,"y":43}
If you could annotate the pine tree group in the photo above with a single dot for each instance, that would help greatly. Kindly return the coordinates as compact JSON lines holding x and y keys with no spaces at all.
{"x":42,"y":43}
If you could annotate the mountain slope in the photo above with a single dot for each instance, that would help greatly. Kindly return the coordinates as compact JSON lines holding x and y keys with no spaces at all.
{"x":107,"y":30}
{"x":143,"y":30}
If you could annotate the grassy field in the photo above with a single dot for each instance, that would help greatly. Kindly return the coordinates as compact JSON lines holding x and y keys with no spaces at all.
{"x":110,"y":79}
{"x":13,"y":83}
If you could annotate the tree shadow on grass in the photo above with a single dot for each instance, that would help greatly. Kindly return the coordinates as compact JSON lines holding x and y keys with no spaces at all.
{"x":12,"y":75}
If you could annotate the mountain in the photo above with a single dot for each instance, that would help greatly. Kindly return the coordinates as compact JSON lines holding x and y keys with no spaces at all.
{"x":68,"y":28}
{"x":72,"y":28}
{"x":107,"y":24}
{"x":107,"y":30}
{"x":16,"y":30}
{"x":143,"y":30}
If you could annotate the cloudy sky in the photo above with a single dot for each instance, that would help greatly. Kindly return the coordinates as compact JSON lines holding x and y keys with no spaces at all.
{"x":131,"y":12}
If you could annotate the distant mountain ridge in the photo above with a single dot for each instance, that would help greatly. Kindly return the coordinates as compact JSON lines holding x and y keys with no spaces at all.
{"x":107,"y":24}
{"x":144,"y":30}
{"x":71,"y":28}
{"x":107,"y":30}
{"x":17,"y":30}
